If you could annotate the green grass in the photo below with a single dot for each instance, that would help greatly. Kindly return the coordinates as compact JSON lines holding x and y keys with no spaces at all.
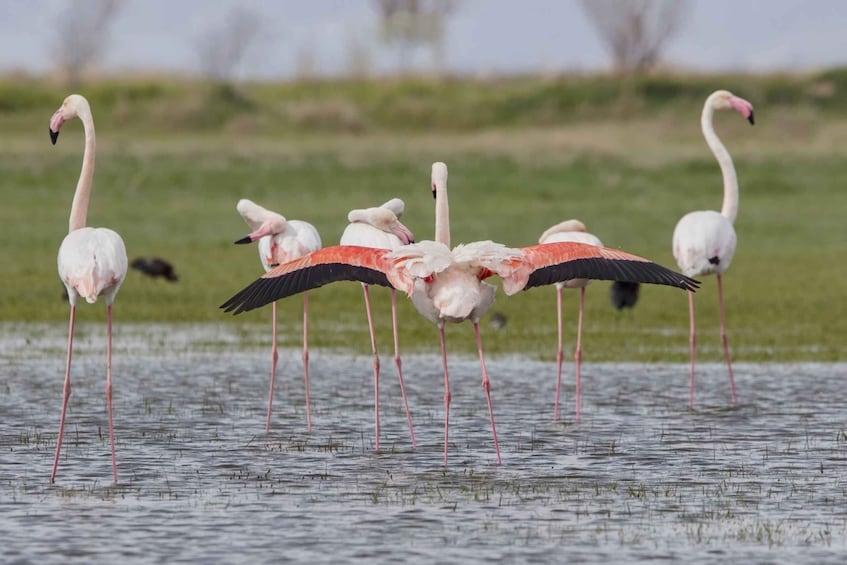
{"x":173,"y":193}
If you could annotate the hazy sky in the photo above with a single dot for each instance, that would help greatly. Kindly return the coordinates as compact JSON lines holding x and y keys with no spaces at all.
{"x":483,"y":36}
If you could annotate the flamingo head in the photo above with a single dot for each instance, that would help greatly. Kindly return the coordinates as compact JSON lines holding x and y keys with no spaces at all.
{"x":726,"y":100}
{"x":382,"y":218}
{"x":439,"y":178}
{"x":70,"y":108}
{"x":269,"y":227}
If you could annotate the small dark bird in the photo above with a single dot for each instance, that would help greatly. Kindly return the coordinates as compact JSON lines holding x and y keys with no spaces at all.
{"x":155,"y":267}
{"x":624,"y":294}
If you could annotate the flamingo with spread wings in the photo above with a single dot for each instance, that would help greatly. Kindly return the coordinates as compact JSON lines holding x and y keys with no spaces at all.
{"x":447,"y":285}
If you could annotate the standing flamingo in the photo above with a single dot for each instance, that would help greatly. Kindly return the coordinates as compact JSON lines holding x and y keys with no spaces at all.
{"x":704,"y":241}
{"x":92,"y":261}
{"x":570,"y":230}
{"x":447,"y":285}
{"x":280,"y":241}
{"x":380,"y":228}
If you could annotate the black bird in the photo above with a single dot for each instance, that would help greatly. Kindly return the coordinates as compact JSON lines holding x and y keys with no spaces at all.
{"x":624,"y":294}
{"x":155,"y":267}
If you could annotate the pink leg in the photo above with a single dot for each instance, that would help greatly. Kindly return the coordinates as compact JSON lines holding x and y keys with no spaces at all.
{"x":274,"y":358}
{"x":399,"y":364}
{"x":577,"y":356}
{"x":109,"y":389}
{"x":376,"y":364}
{"x":692,"y":341}
{"x":66,"y":393}
{"x":559,"y":355}
{"x":725,"y":342}
{"x":306,"y":359}
{"x":446,"y":389}
{"x":486,"y":384}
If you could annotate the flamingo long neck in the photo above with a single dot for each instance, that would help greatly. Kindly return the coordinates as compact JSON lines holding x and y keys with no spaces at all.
{"x":730,"y":182}
{"x":79,"y":208}
{"x":442,"y":216}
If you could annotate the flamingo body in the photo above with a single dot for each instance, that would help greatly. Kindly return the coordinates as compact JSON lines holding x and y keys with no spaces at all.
{"x":704,"y":243}
{"x":92,"y":262}
{"x":281,"y":241}
{"x":569,"y":230}
{"x":380,"y":228}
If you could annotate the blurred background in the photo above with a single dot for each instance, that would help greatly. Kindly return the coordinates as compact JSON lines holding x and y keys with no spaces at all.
{"x":543,"y":110}
{"x":288,"y":40}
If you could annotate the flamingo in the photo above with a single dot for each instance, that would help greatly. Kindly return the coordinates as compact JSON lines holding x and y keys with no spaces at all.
{"x":92,"y":262}
{"x":280,"y":241}
{"x":570,"y":230}
{"x":447,"y":285}
{"x":704,"y":241}
{"x":380,"y":228}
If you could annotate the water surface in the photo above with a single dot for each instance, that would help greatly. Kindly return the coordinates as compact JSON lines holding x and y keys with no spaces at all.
{"x":639,"y":477}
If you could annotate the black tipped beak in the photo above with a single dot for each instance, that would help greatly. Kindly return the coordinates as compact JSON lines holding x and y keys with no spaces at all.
{"x":749,"y":119}
{"x":245,"y":239}
{"x":54,"y":135}
{"x":433,"y":192}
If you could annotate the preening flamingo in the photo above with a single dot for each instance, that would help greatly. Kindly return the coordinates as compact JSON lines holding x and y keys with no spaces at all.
{"x":281,"y":241}
{"x":92,"y":261}
{"x":570,"y":230}
{"x":380,"y":228}
{"x":447,"y":285}
{"x":704,"y":241}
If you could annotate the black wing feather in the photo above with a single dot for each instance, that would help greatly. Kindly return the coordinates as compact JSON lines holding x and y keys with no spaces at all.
{"x":266,"y":290}
{"x":611,"y":270}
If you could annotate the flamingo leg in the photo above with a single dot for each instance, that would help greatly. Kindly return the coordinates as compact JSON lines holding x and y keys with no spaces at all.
{"x":692,"y":341}
{"x":399,"y":365}
{"x":306,"y":360}
{"x":109,"y":389}
{"x":446,"y":388}
{"x":578,"y":352}
{"x":66,"y":393}
{"x":559,"y":355}
{"x":376,"y":363}
{"x":274,"y":358}
{"x":486,"y":384}
{"x":725,"y":342}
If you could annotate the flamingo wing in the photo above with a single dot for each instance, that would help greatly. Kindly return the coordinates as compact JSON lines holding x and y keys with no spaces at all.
{"x":488,"y":257}
{"x":327,"y":265}
{"x":550,"y":263}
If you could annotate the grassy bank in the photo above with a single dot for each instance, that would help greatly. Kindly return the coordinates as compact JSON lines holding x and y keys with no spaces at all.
{"x":628,"y":172}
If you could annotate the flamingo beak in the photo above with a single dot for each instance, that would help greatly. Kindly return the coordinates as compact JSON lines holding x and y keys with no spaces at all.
{"x":55,"y":125}
{"x":264,"y":230}
{"x":743,"y":107}
{"x":433,"y":191}
{"x":402,"y":232}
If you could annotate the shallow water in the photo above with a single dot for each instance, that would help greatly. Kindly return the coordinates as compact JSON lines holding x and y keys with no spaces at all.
{"x":639,"y":477}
